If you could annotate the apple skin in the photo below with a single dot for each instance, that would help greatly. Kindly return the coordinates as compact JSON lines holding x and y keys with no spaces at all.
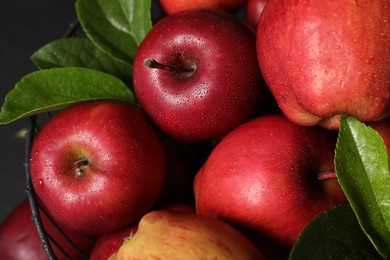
{"x":174,"y":6}
{"x":19,"y":237}
{"x":108,"y":244}
{"x":321,"y":59}
{"x":179,"y":174}
{"x":226,"y":87}
{"x":118,"y":183}
{"x":165,"y":234}
{"x":254,"y":10}
{"x":271,"y":177}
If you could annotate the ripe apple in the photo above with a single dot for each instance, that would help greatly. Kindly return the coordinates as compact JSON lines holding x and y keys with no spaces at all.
{"x":179,"y":174}
{"x":174,"y":6}
{"x":196,"y":75}
{"x":19,"y":238}
{"x":321,"y":59}
{"x":253,"y":12}
{"x":270,"y":177}
{"x":165,"y":234}
{"x":108,"y":244}
{"x":97,"y":166}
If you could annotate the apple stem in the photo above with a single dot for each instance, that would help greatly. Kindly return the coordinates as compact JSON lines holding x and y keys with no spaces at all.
{"x":326,"y":175}
{"x":130,"y":236}
{"x":80,"y":166}
{"x":153,"y":64}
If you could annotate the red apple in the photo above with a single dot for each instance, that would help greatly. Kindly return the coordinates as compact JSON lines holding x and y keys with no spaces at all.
{"x":109,"y":243}
{"x":180,"y":207}
{"x":254,"y":10}
{"x":19,"y":237}
{"x":196,"y":75}
{"x":321,"y":59}
{"x":174,"y":6}
{"x":271,"y":177}
{"x":97,"y":166}
{"x":179,"y":174}
{"x":166,"y":234}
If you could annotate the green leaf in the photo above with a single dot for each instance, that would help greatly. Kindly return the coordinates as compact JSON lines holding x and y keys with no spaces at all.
{"x":140,"y":18}
{"x":116,"y":26}
{"x":80,"y":52}
{"x":362,"y":167}
{"x":334,"y":234}
{"x":57,"y":88}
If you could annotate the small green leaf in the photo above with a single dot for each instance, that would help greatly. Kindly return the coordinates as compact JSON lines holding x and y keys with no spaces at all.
{"x":56,"y":88}
{"x":116,"y":26}
{"x":80,"y":52}
{"x":362,"y":167}
{"x":334,"y":234}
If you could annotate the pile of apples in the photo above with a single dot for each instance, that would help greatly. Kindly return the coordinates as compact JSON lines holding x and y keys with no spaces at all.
{"x":228,"y":152}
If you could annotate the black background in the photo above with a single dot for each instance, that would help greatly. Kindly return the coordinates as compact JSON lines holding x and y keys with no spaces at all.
{"x":25,"y":26}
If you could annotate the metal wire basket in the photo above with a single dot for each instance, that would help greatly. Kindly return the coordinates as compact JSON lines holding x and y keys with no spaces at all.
{"x":33,"y":127}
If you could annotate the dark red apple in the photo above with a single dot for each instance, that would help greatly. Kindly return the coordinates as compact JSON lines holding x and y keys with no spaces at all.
{"x":19,"y":238}
{"x":174,"y":6}
{"x":108,"y":244}
{"x":196,"y":75}
{"x":97,"y":166}
{"x":179,"y":174}
{"x":254,"y":10}
{"x":321,"y":59}
{"x":271,"y":177}
{"x":180,"y":207}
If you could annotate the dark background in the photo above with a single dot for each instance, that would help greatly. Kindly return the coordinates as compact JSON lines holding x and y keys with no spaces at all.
{"x":25,"y":26}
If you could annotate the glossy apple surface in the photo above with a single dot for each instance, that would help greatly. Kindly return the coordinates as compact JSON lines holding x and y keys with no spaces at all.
{"x":270,"y":177}
{"x":19,"y":238}
{"x":97,"y":166}
{"x":108,"y":244}
{"x":165,"y":234}
{"x":174,"y":6}
{"x":196,"y":75}
{"x":254,"y":10}
{"x":321,"y":59}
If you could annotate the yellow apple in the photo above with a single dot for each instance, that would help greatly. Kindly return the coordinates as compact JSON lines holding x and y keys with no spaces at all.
{"x":164,"y":234}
